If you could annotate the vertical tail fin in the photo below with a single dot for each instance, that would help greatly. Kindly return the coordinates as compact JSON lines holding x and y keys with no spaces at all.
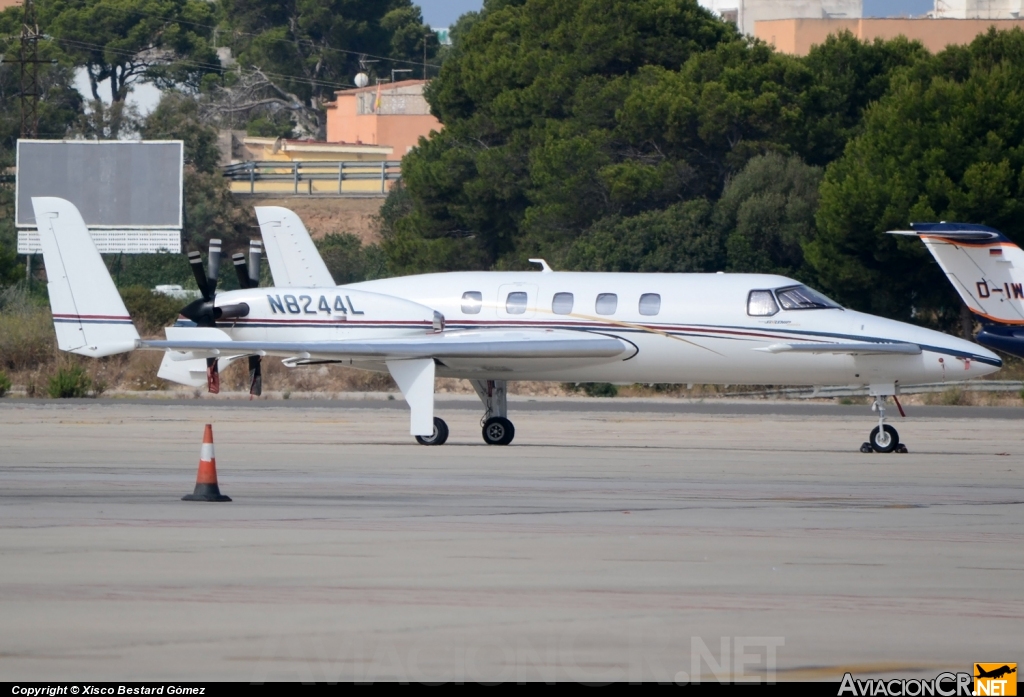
{"x":984,"y":266}
{"x":88,"y":314}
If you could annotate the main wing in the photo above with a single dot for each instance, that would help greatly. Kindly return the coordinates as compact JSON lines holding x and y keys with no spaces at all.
{"x":294,"y":259}
{"x":412,"y":360}
{"x":484,"y":344}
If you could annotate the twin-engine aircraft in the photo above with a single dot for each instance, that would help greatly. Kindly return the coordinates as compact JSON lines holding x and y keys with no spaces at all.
{"x":491,"y":327}
{"x":987,"y":270}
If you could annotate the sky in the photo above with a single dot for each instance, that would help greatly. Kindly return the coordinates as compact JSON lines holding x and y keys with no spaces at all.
{"x":443,"y":13}
{"x":896,"y":8}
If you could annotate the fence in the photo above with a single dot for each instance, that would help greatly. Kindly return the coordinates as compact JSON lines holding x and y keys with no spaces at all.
{"x":862,"y":391}
{"x":313,"y":178}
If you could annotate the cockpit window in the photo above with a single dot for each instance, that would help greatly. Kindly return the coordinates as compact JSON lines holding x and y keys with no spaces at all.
{"x":761,"y":303}
{"x":803,"y":298}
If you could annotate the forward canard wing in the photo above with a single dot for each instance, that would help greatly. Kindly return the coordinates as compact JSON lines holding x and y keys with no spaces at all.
{"x":294,"y":259}
{"x":853,"y":348}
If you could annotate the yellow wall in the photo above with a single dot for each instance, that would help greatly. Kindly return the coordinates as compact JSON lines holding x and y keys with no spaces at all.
{"x":797,"y":36}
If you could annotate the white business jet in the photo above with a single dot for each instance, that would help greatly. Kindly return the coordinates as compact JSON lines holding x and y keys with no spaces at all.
{"x":490,"y":327}
{"x":987,"y":270}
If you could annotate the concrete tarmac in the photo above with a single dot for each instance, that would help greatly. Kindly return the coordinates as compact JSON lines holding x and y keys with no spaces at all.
{"x":601,"y":545}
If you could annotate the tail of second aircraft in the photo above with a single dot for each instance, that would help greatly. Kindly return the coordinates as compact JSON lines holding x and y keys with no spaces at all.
{"x":985,"y":267}
{"x":89,"y":315}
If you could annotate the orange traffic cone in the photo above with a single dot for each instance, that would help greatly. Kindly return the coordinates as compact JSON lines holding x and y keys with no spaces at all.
{"x":206,"y":480}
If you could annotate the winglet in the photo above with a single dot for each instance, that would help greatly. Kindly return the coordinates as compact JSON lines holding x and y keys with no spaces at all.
{"x":543,"y":265}
{"x":89,"y":316}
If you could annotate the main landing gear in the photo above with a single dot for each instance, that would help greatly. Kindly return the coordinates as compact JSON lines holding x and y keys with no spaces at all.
{"x":495,"y":426}
{"x":884,"y":438}
{"x":497,"y":429}
{"x":438,"y":437}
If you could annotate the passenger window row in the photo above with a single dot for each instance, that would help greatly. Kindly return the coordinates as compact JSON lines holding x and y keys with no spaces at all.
{"x":561,"y":303}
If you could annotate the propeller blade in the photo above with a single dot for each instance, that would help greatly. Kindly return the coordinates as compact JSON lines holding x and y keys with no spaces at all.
{"x":212,"y":376}
{"x":195,"y":260}
{"x":214,"y":270}
{"x":255,"y":255}
{"x":255,"y":377}
{"x":240,"y":270}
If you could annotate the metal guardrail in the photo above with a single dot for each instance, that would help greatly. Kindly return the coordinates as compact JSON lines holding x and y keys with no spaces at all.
{"x":847,"y":391}
{"x":314,"y":171}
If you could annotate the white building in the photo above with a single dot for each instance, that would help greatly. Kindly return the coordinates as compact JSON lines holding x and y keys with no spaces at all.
{"x":977,"y":9}
{"x":745,"y":12}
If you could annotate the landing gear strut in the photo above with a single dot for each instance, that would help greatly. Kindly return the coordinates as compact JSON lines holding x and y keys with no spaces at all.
{"x":883,"y":438}
{"x":497,"y":429}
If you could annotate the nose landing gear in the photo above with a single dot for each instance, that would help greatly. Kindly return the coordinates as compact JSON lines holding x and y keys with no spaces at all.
{"x":883,"y":438}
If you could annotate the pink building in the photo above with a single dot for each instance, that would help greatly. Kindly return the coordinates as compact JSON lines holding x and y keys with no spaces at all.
{"x":394,"y":115}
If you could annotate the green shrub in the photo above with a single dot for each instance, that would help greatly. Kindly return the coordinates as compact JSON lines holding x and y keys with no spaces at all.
{"x":349,"y":260}
{"x":593,"y":389}
{"x":26,"y":331}
{"x":150,"y":311}
{"x":70,"y":382}
{"x":5,"y":383}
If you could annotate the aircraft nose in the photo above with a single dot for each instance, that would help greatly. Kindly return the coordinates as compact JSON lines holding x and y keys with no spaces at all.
{"x":983,"y":361}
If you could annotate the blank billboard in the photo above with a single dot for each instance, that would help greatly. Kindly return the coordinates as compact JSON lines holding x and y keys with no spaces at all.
{"x":130,"y":194}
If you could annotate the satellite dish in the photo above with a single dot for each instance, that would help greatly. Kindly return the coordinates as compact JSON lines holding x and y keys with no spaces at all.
{"x":362,"y":80}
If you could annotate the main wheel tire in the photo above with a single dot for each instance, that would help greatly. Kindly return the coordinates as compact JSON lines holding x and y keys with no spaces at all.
{"x":438,"y":437}
{"x":885,"y":440}
{"x":498,"y":431}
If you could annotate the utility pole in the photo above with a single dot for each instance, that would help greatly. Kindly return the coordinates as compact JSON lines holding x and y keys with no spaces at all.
{"x":28,"y":60}
{"x":425,"y":37}
{"x":28,"y":57}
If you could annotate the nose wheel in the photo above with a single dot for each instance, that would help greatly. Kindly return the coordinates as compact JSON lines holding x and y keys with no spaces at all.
{"x":438,"y":437}
{"x":883,"y":438}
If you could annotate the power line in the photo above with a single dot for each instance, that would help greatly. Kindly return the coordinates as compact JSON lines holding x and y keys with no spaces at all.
{"x":200,"y":64}
{"x":286,"y":41}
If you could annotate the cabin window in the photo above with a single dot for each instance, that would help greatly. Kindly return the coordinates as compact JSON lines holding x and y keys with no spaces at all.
{"x":761,"y":303}
{"x":561,"y":304}
{"x":803,"y":298}
{"x":650,"y":304}
{"x":606,"y":303}
{"x":515,"y":303}
{"x":472,"y":301}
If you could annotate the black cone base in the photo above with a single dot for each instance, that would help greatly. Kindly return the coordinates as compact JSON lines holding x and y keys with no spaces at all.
{"x":206,"y":492}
